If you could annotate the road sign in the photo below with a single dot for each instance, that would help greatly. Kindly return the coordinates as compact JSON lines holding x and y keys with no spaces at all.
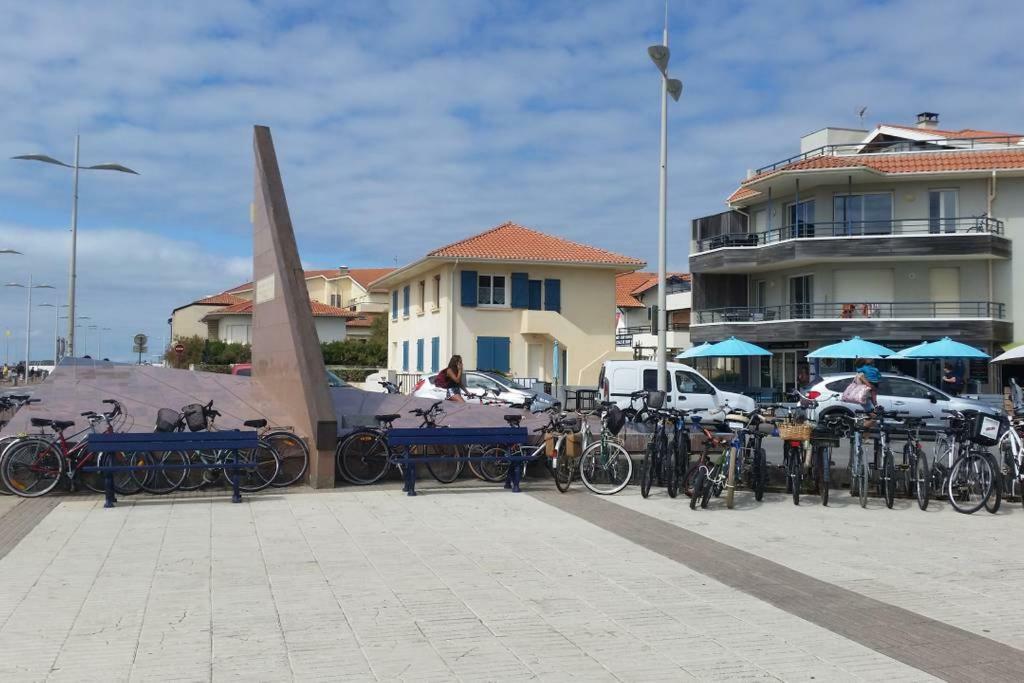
{"x":179,"y":349}
{"x":140,"y":339}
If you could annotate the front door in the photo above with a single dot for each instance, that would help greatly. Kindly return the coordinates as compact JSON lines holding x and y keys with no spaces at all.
{"x":942,"y":211}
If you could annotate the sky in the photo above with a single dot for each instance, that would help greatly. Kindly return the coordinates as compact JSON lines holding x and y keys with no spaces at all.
{"x":402,"y":125}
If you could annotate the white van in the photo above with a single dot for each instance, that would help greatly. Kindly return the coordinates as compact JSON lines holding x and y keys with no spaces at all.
{"x":688,"y":389}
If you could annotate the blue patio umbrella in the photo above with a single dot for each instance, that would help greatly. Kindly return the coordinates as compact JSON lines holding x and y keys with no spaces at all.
{"x":852,"y":348}
{"x":733,"y":347}
{"x":694,"y":352}
{"x":944,"y":348}
{"x":902,"y":355}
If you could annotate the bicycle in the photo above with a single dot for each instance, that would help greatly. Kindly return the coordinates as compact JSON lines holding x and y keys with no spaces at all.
{"x":291,"y":450}
{"x":973,"y":479}
{"x":196,"y":417}
{"x":659,"y":458}
{"x":604,"y":465}
{"x":884,"y":463}
{"x":33,"y":465}
{"x":819,"y":451}
{"x":1011,"y":448}
{"x":915,"y":462}
{"x":751,"y":428}
{"x":858,"y":467}
{"x":559,"y":424}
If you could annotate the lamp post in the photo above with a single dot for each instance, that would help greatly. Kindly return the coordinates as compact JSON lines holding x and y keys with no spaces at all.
{"x":72,"y":274}
{"x":99,"y":349}
{"x":28,"y":318}
{"x":669,"y":87}
{"x":56,"y":329}
{"x":9,"y":251}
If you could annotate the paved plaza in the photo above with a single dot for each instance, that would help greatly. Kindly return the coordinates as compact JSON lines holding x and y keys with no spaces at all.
{"x":480,"y":584}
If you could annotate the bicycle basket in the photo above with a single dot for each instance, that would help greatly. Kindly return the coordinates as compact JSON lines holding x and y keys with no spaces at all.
{"x":167,"y":420}
{"x":789,"y":431}
{"x":615,"y":420}
{"x":984,"y":429}
{"x":655,"y":399}
{"x":195,"y":417}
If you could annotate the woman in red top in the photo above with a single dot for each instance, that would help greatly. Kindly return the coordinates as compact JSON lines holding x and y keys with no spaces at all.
{"x":450,"y":378}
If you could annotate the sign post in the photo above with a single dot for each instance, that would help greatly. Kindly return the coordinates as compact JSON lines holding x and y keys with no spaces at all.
{"x":139,"y":345}
{"x":179,"y":351}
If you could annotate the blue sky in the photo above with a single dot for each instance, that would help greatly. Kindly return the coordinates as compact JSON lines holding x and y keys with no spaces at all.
{"x":404,"y":125}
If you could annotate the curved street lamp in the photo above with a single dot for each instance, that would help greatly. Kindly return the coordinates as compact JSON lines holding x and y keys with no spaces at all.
{"x":28,"y":317}
{"x":46,"y":159}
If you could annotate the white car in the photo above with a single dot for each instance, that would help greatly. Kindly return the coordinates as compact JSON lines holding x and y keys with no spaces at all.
{"x":486,"y":385}
{"x":688,"y":389}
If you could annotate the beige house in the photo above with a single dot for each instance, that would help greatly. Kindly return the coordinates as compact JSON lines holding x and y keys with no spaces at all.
{"x":344,"y":306}
{"x":510,"y":299}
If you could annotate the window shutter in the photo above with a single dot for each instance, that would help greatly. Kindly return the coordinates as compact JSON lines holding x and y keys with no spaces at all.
{"x":405,"y":301}
{"x":553,"y":295}
{"x":435,"y":354}
{"x":536,"y":294}
{"x":419,"y":355}
{"x":484,"y":353}
{"x":394,"y":305}
{"x":405,"y":356}
{"x":520,"y":290}
{"x":501,"y":353}
{"x":469,"y":288}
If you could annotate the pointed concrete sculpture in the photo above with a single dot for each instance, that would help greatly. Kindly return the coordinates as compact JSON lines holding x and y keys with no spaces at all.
{"x":287,"y":362}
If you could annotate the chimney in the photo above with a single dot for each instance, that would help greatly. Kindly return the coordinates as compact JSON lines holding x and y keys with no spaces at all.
{"x":343,"y":269}
{"x":927,"y":119}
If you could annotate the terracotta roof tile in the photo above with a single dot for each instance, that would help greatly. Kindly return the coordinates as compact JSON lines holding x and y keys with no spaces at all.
{"x":319,"y":310}
{"x":512,"y":242}
{"x":963,"y":133}
{"x":222,"y":299}
{"x":364,"y":276}
{"x":362,"y":320}
{"x":629,"y":285}
{"x":897,"y":164}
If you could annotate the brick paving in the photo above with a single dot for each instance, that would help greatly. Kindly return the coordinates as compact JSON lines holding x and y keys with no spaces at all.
{"x":365,"y":585}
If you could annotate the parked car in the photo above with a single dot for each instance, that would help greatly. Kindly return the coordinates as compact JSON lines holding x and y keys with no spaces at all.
{"x":688,"y":389}
{"x":487,"y":384}
{"x":245,"y":370}
{"x":895,"y":392}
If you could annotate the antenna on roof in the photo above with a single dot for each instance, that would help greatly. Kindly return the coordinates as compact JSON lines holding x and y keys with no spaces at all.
{"x":860,"y":113}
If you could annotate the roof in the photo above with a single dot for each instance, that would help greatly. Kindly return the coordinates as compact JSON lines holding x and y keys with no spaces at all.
{"x":363,"y":320}
{"x":901,"y":163}
{"x":963,"y":133}
{"x":364,"y":276}
{"x":629,"y":285}
{"x":222,"y":299}
{"x":512,"y":242}
{"x":319,"y":310}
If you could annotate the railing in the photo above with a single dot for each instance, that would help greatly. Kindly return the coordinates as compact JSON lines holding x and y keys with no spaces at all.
{"x":646,"y":329}
{"x":897,"y":147}
{"x":853,"y":311}
{"x":898,"y":226}
{"x":406,"y":381}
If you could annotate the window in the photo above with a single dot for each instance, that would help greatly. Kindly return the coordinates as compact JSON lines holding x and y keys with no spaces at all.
{"x":490,"y":290}
{"x":862,"y":214}
{"x":437,"y":292}
{"x":691,"y":383}
{"x":419,"y":355}
{"x":405,"y":301}
{"x":839,"y":386}
{"x":423,"y":296}
{"x":942,"y":210}
{"x":405,"y":356}
{"x":801,"y":296}
{"x":760,"y":294}
{"x":801,"y":219}
{"x":905,"y":388}
{"x":651,"y":380}
{"x":492,"y":353}
{"x":394,"y":305}
{"x":336,"y":300}
{"x":475,"y":381}
{"x":435,"y":354}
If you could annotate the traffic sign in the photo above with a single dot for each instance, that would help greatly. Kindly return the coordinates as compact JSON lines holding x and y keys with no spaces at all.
{"x":179,"y":349}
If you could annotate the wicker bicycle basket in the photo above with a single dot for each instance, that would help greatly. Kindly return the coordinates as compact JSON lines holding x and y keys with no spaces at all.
{"x":789,"y":431}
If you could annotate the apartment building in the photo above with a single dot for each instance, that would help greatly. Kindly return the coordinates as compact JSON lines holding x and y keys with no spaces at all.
{"x":342,"y":301}
{"x":897,"y":234}
{"x":636,"y":299}
{"x":510,"y":299}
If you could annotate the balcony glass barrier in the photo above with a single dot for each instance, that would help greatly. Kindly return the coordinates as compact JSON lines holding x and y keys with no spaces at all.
{"x":853,"y":311}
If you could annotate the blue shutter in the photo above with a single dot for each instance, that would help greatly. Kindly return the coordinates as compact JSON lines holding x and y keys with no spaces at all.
{"x":394,"y":305}
{"x":469,"y":288}
{"x":536,"y":295}
{"x":520,"y":290}
{"x":501,"y":354}
{"x":419,"y":355}
{"x":484,"y":353}
{"x":405,"y":356}
{"x":492,"y":353}
{"x":405,"y":301}
{"x":435,"y":354}
{"x":552,"y":295}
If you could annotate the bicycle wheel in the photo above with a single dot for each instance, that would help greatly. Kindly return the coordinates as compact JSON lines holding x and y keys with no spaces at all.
{"x":605,"y":467}
{"x":759,"y":471}
{"x":996,"y":499}
{"x":126,"y":482}
{"x":787,"y":464}
{"x":862,"y":479}
{"x":166,"y":481}
{"x":195,"y":478}
{"x":32,"y":467}
{"x":494,"y":471}
{"x":563,"y":470}
{"x":686,"y":484}
{"x":709,"y":487}
{"x":921,"y":477}
{"x":263,"y":462}
{"x":671,"y":473}
{"x":6,"y":441}
{"x":647,"y":472}
{"x":796,"y":466}
{"x":824,"y":467}
{"x":971,"y":481}
{"x":363,"y":456}
{"x":449,"y":468}
{"x":697,"y":487}
{"x":294,"y":455}
{"x":888,"y":479}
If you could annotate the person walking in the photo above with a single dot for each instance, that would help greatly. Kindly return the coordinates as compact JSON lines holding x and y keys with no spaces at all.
{"x":450,"y":378}
{"x":868,"y":374}
{"x":952,"y":379}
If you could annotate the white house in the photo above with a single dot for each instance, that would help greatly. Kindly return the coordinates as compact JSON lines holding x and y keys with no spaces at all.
{"x":636,"y":298}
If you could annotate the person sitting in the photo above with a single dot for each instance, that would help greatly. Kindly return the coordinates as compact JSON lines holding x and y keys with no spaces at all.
{"x":868,"y":374}
{"x":450,"y":378}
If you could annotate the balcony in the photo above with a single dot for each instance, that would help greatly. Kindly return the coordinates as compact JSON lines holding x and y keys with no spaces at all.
{"x":971,"y":320}
{"x":967,"y":237}
{"x":676,"y":337}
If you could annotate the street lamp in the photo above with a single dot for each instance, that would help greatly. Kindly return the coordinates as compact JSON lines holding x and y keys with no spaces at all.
{"x":28,"y":317}
{"x":99,"y":349}
{"x":74,"y":224}
{"x":9,"y":251}
{"x":56,"y":329}
{"x":670,"y":87}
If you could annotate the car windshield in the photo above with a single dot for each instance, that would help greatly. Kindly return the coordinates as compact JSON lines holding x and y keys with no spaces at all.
{"x":503,"y":381}
{"x":335,"y":381}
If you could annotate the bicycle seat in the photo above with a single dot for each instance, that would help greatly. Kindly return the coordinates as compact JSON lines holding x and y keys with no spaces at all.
{"x":568,"y":423}
{"x":17,"y":397}
{"x":255,"y":424}
{"x":513,"y":420}
{"x":40,"y":422}
{"x":88,"y":413}
{"x":386,"y":418}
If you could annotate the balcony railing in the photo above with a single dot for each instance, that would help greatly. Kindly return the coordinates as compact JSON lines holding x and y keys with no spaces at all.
{"x":891,"y":227}
{"x":646,"y":329}
{"x":853,"y":311}
{"x":898,"y":147}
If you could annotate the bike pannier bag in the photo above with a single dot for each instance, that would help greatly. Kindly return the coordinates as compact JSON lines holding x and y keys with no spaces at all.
{"x":615,"y":419}
{"x":195,"y":417}
{"x":655,"y":399}
{"x":985,"y":429}
{"x":167,"y":420}
{"x":855,"y":392}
